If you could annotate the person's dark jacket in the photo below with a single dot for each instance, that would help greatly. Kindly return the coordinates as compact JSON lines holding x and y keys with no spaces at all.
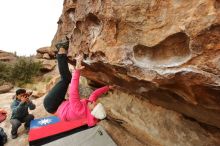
{"x":20,"y":109}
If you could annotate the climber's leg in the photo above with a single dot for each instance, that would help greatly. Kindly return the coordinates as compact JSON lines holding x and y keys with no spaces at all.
{"x":57,"y":94}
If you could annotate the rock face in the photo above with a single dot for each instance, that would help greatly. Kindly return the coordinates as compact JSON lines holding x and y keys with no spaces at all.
{"x":165,"y":51}
{"x":151,"y":125}
{"x":7,"y":57}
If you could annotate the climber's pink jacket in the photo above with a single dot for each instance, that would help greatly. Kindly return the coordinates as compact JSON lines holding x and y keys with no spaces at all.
{"x":73,"y":108}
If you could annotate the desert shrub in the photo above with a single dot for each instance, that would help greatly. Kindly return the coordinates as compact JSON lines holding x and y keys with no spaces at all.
{"x":24,"y":69}
{"x":5,"y":72}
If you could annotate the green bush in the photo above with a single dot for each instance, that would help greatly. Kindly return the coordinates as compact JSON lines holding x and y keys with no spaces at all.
{"x":24,"y":70}
{"x":5,"y":72}
{"x":20,"y":72}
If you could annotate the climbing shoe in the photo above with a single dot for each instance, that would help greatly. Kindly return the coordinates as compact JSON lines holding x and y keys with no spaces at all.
{"x":63,"y":44}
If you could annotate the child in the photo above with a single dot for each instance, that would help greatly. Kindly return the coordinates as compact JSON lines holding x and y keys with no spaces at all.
{"x":73,"y":108}
{"x":20,"y":113}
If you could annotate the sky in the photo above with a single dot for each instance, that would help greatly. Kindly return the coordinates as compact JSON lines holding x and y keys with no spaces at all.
{"x":27,"y":25}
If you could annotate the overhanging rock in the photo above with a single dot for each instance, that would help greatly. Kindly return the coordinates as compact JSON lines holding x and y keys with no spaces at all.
{"x":166,"y":51}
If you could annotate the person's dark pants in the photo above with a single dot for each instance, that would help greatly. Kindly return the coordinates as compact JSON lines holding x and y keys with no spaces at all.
{"x":16,"y":123}
{"x":3,"y":137}
{"x":1,"y":141}
{"x":57,"y":94}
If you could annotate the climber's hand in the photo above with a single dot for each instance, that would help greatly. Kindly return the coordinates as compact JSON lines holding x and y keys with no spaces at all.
{"x":79,"y":65}
{"x":111,"y":87}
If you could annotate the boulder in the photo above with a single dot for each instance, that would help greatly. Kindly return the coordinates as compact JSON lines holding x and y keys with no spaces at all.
{"x":151,"y":125}
{"x":7,"y":57}
{"x":5,"y":87}
{"x":39,"y":55}
{"x":165,"y":51}
{"x":46,"y":56}
{"x":47,"y":65}
{"x":47,"y":50}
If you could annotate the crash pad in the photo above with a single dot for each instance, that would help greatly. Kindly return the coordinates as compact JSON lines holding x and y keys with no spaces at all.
{"x":95,"y":136}
{"x":47,"y":127}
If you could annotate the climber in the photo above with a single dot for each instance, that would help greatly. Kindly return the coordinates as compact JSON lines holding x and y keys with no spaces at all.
{"x":73,"y":108}
{"x":3,"y":136}
{"x":20,"y":112}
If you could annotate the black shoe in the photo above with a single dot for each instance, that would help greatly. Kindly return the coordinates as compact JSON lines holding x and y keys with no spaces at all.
{"x":63,"y":44}
{"x":13,"y":136}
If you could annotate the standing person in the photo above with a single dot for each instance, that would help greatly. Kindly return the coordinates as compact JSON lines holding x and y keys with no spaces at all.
{"x":3,"y":136}
{"x":73,"y":108}
{"x":20,"y":112}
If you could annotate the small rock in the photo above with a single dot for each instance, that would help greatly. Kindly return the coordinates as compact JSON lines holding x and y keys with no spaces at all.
{"x":48,"y":65}
{"x":39,"y":55}
{"x":5,"y":87}
{"x":46,"y":56}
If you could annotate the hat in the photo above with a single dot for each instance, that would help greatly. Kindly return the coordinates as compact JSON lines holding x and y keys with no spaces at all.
{"x":99,"y":112}
{"x":20,"y":91}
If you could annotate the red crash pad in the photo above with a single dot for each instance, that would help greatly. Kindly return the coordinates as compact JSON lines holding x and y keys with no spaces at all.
{"x":49,"y":126}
